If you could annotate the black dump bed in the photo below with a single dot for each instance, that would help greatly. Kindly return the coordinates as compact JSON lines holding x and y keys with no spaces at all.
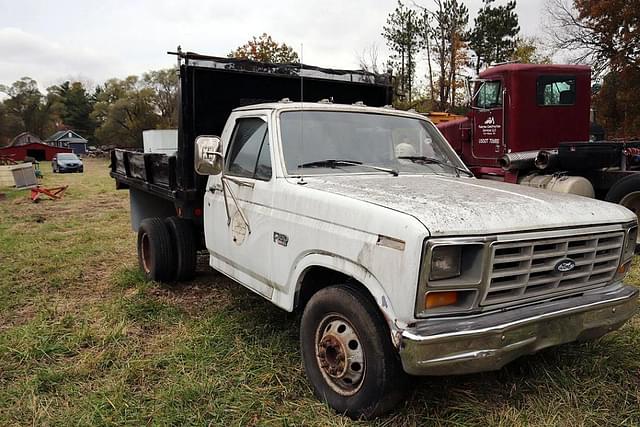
{"x":210,"y":88}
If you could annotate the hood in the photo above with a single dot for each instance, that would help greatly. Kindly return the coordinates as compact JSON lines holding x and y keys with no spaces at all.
{"x":450,"y":206}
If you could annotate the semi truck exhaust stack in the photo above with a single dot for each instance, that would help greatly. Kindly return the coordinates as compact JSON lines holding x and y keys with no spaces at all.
{"x":522,"y":160}
{"x":546,"y":159}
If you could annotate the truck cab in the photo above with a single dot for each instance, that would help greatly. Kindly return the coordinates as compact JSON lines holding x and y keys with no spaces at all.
{"x":530,"y":124}
{"x":519,"y":108}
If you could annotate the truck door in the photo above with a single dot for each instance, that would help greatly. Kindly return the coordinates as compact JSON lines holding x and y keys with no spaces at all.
{"x":237,"y":228}
{"x":488,"y":121}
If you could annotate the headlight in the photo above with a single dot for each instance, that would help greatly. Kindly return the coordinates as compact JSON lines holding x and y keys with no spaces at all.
{"x":445,"y":262}
{"x":451,"y":277}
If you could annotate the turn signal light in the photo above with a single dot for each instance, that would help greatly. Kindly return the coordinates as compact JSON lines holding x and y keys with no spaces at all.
{"x":622,"y":271}
{"x":439,"y":299}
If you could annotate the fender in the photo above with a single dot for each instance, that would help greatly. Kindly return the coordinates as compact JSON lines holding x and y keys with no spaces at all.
{"x":348,"y":267}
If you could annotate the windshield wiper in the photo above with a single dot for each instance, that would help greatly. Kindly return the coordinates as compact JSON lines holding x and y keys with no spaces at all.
{"x":432,"y":160}
{"x":332,"y":163}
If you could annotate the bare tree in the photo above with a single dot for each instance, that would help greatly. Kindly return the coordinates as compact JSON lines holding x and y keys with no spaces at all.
{"x":368,"y":59}
{"x":605,"y":35}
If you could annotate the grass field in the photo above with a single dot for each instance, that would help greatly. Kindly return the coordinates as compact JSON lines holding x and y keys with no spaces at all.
{"x":85,"y":341}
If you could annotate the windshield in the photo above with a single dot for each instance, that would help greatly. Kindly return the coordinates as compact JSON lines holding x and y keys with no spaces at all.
{"x":67,"y":156}
{"x":322,"y":142}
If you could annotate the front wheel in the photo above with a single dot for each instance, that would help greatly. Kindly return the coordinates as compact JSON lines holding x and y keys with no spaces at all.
{"x":348,"y":355}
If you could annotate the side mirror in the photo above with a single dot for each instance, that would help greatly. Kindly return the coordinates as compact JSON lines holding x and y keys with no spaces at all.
{"x":208,"y":155}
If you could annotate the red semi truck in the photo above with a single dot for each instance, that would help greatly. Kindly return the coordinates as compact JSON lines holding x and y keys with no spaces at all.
{"x":530,"y":124}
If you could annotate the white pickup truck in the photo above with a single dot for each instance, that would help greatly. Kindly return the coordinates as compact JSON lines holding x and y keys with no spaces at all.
{"x":366,"y":221}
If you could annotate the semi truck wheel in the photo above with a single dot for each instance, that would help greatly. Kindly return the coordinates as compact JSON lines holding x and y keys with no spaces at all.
{"x":184,"y":243}
{"x":155,"y":251}
{"x":348,"y":355}
{"x":627,"y":193}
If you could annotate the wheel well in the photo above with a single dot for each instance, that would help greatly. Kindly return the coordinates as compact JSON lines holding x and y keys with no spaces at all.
{"x":317,"y":277}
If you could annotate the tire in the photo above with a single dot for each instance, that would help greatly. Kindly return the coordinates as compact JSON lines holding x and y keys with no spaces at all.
{"x":373,"y":382}
{"x":626,"y":192}
{"x":155,"y":251}
{"x":184,"y":244}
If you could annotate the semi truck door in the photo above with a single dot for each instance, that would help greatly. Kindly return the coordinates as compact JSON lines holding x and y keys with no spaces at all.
{"x":237,"y":229}
{"x":488,"y":127}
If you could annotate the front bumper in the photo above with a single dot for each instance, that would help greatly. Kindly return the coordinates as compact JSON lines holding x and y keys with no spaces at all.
{"x":70,"y":168}
{"x":488,"y":342}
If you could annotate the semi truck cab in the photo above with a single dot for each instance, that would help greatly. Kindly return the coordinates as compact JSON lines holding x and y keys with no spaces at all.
{"x":530,"y":124}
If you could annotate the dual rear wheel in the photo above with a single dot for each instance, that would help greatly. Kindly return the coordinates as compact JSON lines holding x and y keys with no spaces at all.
{"x":167,"y":249}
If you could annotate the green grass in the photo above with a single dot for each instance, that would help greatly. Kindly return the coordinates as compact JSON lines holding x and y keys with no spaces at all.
{"x":84,"y":340}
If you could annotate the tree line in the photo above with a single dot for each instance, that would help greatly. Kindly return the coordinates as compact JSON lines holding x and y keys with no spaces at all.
{"x":113,"y":113}
{"x":604,"y":34}
{"x":116,"y":111}
{"x":440,"y":38}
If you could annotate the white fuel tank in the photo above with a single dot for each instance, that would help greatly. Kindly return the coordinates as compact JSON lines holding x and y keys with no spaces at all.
{"x":560,"y":183}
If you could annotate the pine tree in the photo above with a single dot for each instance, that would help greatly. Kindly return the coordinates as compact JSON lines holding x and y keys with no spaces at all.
{"x":494,"y":34}
{"x":402,"y":33}
{"x":449,"y":40}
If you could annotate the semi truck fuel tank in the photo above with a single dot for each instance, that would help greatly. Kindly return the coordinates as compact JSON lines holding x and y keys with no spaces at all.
{"x":559,"y":183}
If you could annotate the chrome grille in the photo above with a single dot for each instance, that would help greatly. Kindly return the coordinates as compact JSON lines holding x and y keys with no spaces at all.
{"x":526,"y":269}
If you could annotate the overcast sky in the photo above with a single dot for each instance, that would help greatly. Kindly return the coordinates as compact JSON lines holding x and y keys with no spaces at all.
{"x":91,"y":40}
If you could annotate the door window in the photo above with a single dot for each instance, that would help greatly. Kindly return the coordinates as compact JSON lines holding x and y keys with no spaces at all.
{"x":489,"y":95}
{"x":249,"y":152}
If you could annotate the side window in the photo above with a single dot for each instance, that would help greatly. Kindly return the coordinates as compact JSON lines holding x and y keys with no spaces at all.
{"x":556,"y":90}
{"x":489,"y":95}
{"x":248,"y":154}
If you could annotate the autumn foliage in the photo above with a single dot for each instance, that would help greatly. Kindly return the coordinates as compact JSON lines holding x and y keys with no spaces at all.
{"x":606,"y":35}
{"x":265,"y":49}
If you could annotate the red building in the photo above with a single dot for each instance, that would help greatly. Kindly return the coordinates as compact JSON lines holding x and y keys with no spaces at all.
{"x":37,"y":150}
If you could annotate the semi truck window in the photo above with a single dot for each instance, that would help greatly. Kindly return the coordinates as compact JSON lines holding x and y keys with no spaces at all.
{"x":248,"y":154}
{"x":489,"y":95}
{"x":556,"y":90}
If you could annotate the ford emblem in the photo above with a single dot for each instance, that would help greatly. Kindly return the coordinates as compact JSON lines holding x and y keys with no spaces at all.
{"x":565,"y":265}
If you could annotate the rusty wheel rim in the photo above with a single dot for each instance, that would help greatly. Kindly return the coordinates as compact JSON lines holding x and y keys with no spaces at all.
{"x":145,"y":253}
{"x":340,"y":355}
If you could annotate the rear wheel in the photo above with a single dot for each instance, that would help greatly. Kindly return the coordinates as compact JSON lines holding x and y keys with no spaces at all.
{"x":155,"y":251}
{"x":348,"y":355}
{"x":626,"y":192}
{"x":184,"y":243}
